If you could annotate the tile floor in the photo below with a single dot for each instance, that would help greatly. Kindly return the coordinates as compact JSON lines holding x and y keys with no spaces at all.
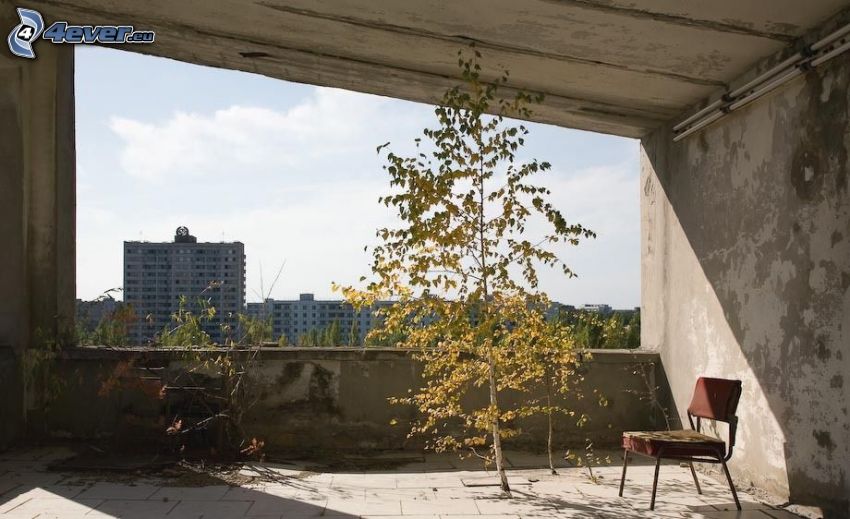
{"x":436,"y":487}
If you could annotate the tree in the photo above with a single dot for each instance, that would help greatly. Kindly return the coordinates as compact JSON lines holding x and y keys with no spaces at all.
{"x":615,"y":331}
{"x":332,"y":336}
{"x":310,"y":339}
{"x":354,"y":333}
{"x":553,"y":359}
{"x":111,"y":330}
{"x":588,"y":329}
{"x":462,"y":267}
{"x":254,"y":330}
{"x":187,"y":327}
{"x":633,"y":334}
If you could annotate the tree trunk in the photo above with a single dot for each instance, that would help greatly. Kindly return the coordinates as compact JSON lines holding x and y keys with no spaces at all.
{"x":491,"y":361}
{"x":551,"y":423}
{"x":497,"y":436}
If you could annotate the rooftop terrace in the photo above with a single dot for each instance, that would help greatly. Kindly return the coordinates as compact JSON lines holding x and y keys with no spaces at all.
{"x":39,"y":483}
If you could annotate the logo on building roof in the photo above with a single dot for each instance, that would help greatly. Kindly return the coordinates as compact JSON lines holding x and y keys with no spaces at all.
{"x":181,"y":235}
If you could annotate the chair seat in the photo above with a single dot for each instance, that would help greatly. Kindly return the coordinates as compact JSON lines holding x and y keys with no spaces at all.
{"x":673,"y":443}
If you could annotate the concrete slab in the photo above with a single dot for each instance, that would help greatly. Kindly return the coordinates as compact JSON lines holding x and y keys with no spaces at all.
{"x":440,"y":507}
{"x":135,"y":509}
{"x":374,"y":505}
{"x":586,"y":57}
{"x":211,"y":493}
{"x":210,"y":509}
{"x":101,"y":490}
{"x":272,"y":506}
{"x":59,"y":506}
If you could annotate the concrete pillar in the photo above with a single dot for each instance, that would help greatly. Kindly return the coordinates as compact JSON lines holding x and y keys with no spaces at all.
{"x":746,"y":274}
{"x":37,"y":213}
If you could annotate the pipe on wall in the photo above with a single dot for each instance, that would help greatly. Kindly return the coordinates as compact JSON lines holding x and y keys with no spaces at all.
{"x":795,"y":65}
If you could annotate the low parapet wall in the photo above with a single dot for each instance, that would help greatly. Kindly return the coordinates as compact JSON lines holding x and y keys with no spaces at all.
{"x":309,"y":399}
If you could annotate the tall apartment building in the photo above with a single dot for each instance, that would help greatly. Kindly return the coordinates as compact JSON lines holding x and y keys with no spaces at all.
{"x":293,"y":318}
{"x":157,"y":274}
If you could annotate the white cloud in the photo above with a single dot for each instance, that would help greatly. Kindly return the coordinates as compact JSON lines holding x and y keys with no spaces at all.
{"x":243,"y":139}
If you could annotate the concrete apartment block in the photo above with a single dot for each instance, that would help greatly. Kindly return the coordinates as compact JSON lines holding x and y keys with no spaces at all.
{"x":293,"y":318}
{"x":158,"y":274}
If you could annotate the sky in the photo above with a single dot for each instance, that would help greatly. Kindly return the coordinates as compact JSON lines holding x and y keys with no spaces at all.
{"x":291,"y":171}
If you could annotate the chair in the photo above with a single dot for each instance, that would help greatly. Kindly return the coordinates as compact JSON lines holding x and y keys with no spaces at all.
{"x":713,"y":399}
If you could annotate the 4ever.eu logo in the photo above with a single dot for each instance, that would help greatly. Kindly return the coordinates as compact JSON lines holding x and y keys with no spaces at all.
{"x":24,"y":35}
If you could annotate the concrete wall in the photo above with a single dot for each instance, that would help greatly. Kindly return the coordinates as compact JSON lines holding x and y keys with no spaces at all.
{"x":37,"y":214}
{"x":746,"y":274}
{"x":327,"y":399}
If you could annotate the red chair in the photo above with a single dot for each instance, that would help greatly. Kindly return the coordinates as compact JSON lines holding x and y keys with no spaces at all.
{"x":714,"y":399}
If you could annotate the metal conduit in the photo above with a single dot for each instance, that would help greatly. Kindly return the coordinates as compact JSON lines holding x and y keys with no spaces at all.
{"x":789,"y":68}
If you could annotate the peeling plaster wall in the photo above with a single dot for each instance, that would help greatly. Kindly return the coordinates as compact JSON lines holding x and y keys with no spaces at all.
{"x":746,"y":274}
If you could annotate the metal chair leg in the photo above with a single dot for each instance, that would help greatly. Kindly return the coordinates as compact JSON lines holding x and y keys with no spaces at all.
{"x":731,"y":484}
{"x":694,"y":474}
{"x":655,"y":483}
{"x":625,"y":465}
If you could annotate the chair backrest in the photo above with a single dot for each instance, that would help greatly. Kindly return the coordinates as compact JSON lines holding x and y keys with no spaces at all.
{"x":715,"y":399}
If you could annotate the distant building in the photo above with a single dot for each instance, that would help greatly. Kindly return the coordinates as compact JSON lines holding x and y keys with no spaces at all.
{"x":157,"y":274}
{"x":293,"y":318}
{"x":598,"y":308}
{"x":557,"y":310}
{"x":89,"y":314}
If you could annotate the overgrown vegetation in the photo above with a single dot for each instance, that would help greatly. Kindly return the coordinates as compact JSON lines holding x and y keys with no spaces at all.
{"x":217,"y":378}
{"x":462,"y":266}
{"x":209,"y":392}
{"x":619,"y":329}
{"x":328,"y":337}
{"x":42,"y":384}
{"x":104,"y":321}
